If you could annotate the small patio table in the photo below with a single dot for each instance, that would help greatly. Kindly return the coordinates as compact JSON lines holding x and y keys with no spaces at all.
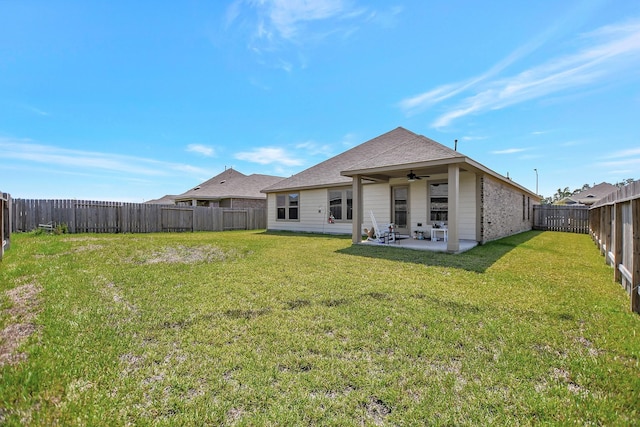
{"x":435,"y":231}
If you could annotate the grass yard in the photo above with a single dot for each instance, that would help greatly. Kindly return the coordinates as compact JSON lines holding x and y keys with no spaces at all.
{"x":254,"y":328}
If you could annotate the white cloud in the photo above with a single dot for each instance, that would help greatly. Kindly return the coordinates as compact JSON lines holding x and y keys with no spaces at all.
{"x":627,"y":163}
{"x":277,"y":25}
{"x":607,"y":52}
{"x":509,"y":151}
{"x":313,"y":148}
{"x":268,"y":155}
{"x":36,"y":110}
{"x":201,"y":149}
{"x":287,"y":16}
{"x":420,"y":102}
{"x":625,"y":153}
{"x":25,"y":150}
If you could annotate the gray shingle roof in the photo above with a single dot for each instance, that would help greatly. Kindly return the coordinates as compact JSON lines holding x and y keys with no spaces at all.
{"x":593,"y":194}
{"x":231,"y":184}
{"x":397,"y":147}
{"x":164,"y":200}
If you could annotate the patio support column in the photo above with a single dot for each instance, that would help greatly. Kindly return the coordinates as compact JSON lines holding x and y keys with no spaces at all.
{"x":453,"y":244}
{"x":356,"y":221}
{"x":479,"y":208}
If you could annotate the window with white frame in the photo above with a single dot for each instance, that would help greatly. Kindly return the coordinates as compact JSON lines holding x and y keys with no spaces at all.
{"x":287,"y":206}
{"x":341,"y":204}
{"x":439,"y":202}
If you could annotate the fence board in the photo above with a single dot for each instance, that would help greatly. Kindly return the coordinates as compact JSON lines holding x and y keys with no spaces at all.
{"x":86,"y":216}
{"x":615,"y":228}
{"x":571,"y":219}
{"x":5,"y":222}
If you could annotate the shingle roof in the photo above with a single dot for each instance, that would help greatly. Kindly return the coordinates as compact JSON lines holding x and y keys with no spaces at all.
{"x":164,"y":200}
{"x":231,"y":184}
{"x":397,"y":147}
{"x":593,"y":194}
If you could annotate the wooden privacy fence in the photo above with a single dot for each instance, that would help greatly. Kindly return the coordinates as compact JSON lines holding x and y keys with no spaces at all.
{"x":5,"y":222}
{"x":615,"y":227}
{"x":83,"y":216}
{"x":572,"y":219}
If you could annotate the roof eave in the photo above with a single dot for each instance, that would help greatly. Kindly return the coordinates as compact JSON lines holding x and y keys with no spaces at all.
{"x":380,"y":171}
{"x":462,"y":160}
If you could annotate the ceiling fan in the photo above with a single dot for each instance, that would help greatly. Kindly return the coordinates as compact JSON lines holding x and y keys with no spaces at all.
{"x":412,"y":176}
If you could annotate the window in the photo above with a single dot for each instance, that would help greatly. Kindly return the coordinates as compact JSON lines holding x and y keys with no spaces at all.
{"x":439,"y":202}
{"x":287,"y":206}
{"x":341,"y":204}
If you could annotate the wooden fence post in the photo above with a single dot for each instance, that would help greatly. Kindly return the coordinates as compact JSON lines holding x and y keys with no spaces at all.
{"x":616,"y":250}
{"x":635,"y":270}
{"x":5,"y":222}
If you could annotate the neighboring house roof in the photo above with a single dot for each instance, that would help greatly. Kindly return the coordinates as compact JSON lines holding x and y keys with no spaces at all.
{"x":164,"y":200}
{"x":392,"y":154}
{"x":231,"y":184}
{"x":591,"y":195}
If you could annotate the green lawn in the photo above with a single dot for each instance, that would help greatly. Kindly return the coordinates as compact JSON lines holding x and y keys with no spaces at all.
{"x":254,"y":328}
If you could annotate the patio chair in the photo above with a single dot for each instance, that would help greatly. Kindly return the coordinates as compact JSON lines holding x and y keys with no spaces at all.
{"x":380,"y":234}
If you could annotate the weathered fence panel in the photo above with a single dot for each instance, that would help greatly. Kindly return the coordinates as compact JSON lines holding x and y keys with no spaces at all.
{"x":5,"y":222}
{"x":572,"y":219}
{"x":615,"y":228}
{"x":234,"y":220}
{"x":85,"y":216}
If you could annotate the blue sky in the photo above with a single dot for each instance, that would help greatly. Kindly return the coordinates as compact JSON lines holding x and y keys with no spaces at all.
{"x":132,"y":100}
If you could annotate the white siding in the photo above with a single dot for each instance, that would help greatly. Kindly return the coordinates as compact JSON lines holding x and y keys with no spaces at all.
{"x":376,"y":198}
{"x":314,"y":217}
{"x":418,"y":205}
{"x":467,"y":206}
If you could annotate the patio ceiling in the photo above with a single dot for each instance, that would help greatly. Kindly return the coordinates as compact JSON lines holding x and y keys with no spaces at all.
{"x":401,"y":171}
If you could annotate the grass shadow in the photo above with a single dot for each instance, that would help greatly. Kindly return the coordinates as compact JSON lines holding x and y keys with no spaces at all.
{"x":476,"y":260}
{"x":284,"y":233}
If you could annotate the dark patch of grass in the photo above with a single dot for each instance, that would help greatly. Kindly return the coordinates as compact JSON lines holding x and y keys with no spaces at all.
{"x":334,"y":302}
{"x":297,"y":303}
{"x":377,"y":295}
{"x":246,"y":314}
{"x":288,"y":329}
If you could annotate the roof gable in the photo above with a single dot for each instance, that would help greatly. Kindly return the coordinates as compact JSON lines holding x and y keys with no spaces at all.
{"x":230,"y":184}
{"x":593,"y":194}
{"x":397,"y":147}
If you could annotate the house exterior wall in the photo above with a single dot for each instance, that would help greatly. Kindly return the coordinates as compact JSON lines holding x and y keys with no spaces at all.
{"x":313,"y":216}
{"x":376,"y":198}
{"x":243,"y":203}
{"x":418,"y":213}
{"x":503,"y":213}
{"x":467,"y":206}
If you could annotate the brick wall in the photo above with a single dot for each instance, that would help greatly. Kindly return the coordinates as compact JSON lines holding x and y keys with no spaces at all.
{"x":244,"y":203}
{"x":503,"y":213}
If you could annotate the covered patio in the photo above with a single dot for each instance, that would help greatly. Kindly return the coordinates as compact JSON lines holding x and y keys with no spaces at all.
{"x":407,"y":242}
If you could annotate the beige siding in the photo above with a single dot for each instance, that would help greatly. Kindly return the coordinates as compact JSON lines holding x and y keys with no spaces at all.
{"x":376,"y":198}
{"x":418,"y":205}
{"x":313,"y":216}
{"x":467,"y":206}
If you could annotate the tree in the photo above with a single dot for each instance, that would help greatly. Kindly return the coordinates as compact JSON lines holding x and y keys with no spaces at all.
{"x":624,"y":182}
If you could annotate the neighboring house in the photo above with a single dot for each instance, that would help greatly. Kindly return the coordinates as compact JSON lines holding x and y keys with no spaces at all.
{"x":229,"y":189}
{"x":589,"y":196}
{"x":405,"y":179}
{"x":164,"y":200}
